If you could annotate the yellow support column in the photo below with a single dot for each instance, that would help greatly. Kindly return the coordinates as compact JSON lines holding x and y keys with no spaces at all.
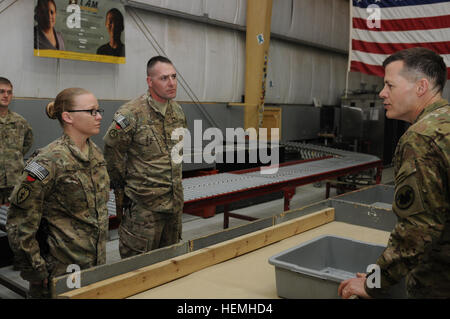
{"x":259,"y":15}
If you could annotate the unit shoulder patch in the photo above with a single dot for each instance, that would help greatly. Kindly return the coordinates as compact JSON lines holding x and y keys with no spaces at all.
{"x":23,"y":193}
{"x":404,"y":197}
{"x":113,"y":133}
{"x":408,"y":199}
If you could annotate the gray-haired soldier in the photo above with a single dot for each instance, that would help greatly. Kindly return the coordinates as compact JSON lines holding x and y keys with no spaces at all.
{"x":419,"y":246}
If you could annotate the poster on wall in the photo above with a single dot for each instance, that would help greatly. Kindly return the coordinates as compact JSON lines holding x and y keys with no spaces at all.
{"x":80,"y":30}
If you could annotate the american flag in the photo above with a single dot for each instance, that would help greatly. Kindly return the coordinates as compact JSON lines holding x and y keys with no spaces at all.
{"x":382,"y":27}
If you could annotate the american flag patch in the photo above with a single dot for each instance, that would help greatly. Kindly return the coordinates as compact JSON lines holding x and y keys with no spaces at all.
{"x":37,"y":170}
{"x":121,"y":120}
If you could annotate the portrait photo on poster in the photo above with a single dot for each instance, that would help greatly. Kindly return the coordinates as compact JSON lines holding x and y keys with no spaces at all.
{"x":45,"y":35}
{"x":80,"y":30}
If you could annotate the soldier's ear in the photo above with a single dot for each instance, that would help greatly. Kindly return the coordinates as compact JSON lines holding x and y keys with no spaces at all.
{"x":66,"y":117}
{"x":422,"y":86}
{"x":149,"y":81}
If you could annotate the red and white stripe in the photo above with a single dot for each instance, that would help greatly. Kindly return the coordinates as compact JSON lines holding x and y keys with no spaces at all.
{"x":400,"y":28}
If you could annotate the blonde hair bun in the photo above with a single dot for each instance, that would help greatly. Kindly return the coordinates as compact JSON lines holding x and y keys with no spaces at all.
{"x":50,"y":110}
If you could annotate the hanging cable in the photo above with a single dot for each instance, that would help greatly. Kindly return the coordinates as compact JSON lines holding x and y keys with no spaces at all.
{"x":7,"y":6}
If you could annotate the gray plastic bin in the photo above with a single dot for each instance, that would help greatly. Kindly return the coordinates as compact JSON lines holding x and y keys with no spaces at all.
{"x":315,"y":268}
{"x":376,"y":195}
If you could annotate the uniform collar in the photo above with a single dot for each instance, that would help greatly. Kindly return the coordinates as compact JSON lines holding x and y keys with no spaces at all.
{"x":76,"y":152}
{"x":8,"y":114}
{"x":157,"y":106}
{"x":430,"y":108}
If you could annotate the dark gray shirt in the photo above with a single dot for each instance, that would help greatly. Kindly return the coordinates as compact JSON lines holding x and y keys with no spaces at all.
{"x":42,"y":43}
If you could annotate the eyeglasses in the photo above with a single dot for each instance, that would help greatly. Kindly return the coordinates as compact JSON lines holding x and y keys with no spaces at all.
{"x":9,"y":92}
{"x":93,"y":112}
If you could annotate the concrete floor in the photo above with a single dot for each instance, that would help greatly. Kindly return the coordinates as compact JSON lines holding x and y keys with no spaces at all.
{"x":194,"y":226}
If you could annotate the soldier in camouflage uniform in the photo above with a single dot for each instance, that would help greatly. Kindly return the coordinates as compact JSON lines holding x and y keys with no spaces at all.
{"x":138,"y":150}
{"x":58,"y":214}
{"x":16,"y":138}
{"x":419,"y":246}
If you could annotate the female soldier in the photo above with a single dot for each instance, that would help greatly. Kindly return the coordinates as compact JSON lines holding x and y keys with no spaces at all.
{"x":58,"y":214}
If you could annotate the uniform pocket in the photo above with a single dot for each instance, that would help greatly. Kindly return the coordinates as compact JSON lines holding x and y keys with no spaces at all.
{"x":72,"y":193}
{"x":146,"y":138}
{"x":14,"y":136}
{"x":132,"y":241}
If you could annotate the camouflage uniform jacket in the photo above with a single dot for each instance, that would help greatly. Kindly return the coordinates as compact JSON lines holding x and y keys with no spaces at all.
{"x":16,"y":138}
{"x":58,"y":214}
{"x":419,"y":245}
{"x":138,"y":150}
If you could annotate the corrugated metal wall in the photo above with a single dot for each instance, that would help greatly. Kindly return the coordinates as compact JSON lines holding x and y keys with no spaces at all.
{"x":307,"y":56}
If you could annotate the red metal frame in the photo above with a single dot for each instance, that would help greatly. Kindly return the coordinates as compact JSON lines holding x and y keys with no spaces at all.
{"x":287,"y":187}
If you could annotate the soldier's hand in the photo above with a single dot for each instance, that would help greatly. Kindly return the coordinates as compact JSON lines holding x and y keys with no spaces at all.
{"x":353,"y":286}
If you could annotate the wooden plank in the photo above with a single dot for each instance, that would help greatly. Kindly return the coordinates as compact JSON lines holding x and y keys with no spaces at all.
{"x":143,"y":279}
{"x":105,"y":271}
{"x":231,"y":233}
